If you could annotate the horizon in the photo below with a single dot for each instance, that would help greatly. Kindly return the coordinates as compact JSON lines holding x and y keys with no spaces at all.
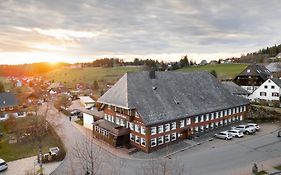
{"x":71,"y":31}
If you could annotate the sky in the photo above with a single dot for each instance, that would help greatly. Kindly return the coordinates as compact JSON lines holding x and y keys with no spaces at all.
{"x":78,"y":31}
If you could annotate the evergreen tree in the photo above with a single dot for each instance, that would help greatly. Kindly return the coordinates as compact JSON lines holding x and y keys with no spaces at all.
{"x":95,"y":86}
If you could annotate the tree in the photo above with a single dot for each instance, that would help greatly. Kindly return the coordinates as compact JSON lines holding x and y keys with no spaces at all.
{"x":162,"y":166}
{"x":2,"y":88}
{"x":184,"y":61}
{"x":95,"y":86}
{"x":63,"y":101}
{"x":213,"y":72}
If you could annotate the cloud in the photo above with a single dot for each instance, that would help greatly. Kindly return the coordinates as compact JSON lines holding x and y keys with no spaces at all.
{"x":139,"y":28}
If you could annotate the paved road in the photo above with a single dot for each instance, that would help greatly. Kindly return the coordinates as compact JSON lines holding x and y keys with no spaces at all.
{"x":235,"y":158}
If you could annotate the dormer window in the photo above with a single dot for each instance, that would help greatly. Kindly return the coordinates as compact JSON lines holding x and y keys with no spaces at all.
{"x":248,"y":71}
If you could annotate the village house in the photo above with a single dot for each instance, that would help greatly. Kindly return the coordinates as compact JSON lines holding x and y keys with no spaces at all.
{"x":252,"y":77}
{"x":9,"y":106}
{"x":87,"y":102}
{"x":275,"y":69}
{"x":270,"y":91}
{"x":57,"y":88}
{"x":162,"y":108}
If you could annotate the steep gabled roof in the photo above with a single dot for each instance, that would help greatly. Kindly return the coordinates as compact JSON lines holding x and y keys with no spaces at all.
{"x":234,"y":88}
{"x":274,"y":67}
{"x":8,"y":99}
{"x":171,"y":95}
{"x":256,"y":70}
{"x":277,"y":81}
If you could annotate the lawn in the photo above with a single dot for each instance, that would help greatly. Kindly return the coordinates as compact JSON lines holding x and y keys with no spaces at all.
{"x":10,"y":152}
{"x":224,"y":71}
{"x":104,"y":76}
{"x":6,"y":82}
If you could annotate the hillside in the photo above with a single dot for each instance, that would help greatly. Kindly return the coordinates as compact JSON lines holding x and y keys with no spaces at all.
{"x":224,"y":71}
{"x":104,"y":76}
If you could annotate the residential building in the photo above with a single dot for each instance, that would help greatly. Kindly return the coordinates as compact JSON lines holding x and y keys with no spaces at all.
{"x":87,"y":101}
{"x":270,"y":91}
{"x":252,"y":77}
{"x":9,"y":106}
{"x":162,"y":108}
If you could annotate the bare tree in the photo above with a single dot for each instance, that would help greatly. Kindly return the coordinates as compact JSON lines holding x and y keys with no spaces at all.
{"x":63,"y":101}
{"x":162,"y":166}
{"x":89,"y":156}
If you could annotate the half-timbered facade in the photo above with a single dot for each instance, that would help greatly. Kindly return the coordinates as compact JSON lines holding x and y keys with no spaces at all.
{"x":161,"y":108}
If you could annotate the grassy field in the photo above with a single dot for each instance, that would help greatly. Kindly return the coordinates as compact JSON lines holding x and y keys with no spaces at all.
{"x":10,"y":152}
{"x":104,"y":76}
{"x":6,"y":82}
{"x":224,"y":71}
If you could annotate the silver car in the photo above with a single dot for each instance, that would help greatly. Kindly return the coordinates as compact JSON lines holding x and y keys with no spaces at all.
{"x":236,"y":133}
{"x":223,"y":135}
{"x":256,"y":126}
{"x":3,"y":165}
{"x":246,"y":129}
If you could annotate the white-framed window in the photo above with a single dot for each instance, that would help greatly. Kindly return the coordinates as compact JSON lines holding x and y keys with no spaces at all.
{"x":132,"y":126}
{"x":211,"y":125}
{"x":221,"y":123}
{"x":212,"y":116}
{"x":196,"y":119}
{"x":122,"y":122}
{"x":173,"y":125}
{"x":275,"y":94}
{"x":229,"y":120}
{"x":229,"y":112}
{"x":167,"y":127}
{"x":188,"y":121}
{"x":160,"y":140}
{"x":137,"y":128}
{"x":167,"y":138}
{"x":221,"y":114}
{"x":137,"y":139}
{"x":244,"y":108}
{"x":241,"y":117}
{"x":217,"y":114}
{"x":196,"y":129}
{"x":153,"y":130}
{"x":181,"y":123}
{"x":201,"y":128}
{"x":202,"y":118}
{"x":105,"y":117}
{"x":160,"y":128}
{"x":225,"y":112}
{"x":143,"y":130}
{"x":216,"y":124}
{"x":143,"y":143}
{"x":225,"y":121}
{"x":117,"y":121}
{"x":153,"y":142}
{"x":174,"y":136}
{"x":237,"y":109}
{"x":132,"y":137}
{"x":207,"y":126}
{"x":207,"y":117}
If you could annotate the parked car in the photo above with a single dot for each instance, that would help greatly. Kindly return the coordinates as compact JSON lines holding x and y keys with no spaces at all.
{"x":246,"y":129}
{"x":75,"y":112}
{"x":54,"y":151}
{"x":223,"y":135}
{"x":236,"y":133}
{"x":3,"y":165}
{"x":279,"y":133}
{"x":256,"y":126}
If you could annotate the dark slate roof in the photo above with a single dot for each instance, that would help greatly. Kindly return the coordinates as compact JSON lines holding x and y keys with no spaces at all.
{"x":8,"y":99}
{"x":274,"y":67}
{"x":234,"y":88}
{"x":172,"y":95}
{"x":277,"y":81}
{"x":112,"y":127}
{"x":256,"y":70}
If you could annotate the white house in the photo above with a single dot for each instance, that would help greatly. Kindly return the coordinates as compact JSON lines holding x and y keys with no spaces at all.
{"x":270,"y":90}
{"x":89,"y":117}
{"x":87,"y":101}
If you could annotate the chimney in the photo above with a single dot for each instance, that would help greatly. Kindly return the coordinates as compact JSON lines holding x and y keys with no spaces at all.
{"x":152,"y":74}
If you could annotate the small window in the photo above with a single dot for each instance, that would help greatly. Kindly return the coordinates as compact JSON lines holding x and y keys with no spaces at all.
{"x":275,"y":94}
{"x":173,"y":125}
{"x":143,"y":130}
{"x":137,"y":139}
{"x":153,"y":130}
{"x":132,"y":126}
{"x":160,"y":140}
{"x":196,"y":119}
{"x":262,"y":93}
{"x":167,"y":127}
{"x":143,"y":143}
{"x":265,"y":86}
{"x":160,"y":128}
{"x":167,"y":138}
{"x":137,"y":128}
{"x":181,"y":123}
{"x":153,"y":142}
{"x":132,"y":137}
{"x":188,"y":121}
{"x":173,"y":136}
{"x":272,"y":87}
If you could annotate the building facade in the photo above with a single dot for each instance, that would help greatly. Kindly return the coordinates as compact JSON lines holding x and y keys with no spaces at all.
{"x":162,"y":108}
{"x":270,"y":91}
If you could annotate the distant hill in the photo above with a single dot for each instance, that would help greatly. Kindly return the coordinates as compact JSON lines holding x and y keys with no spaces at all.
{"x":261,"y":56}
{"x":29,"y":69}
